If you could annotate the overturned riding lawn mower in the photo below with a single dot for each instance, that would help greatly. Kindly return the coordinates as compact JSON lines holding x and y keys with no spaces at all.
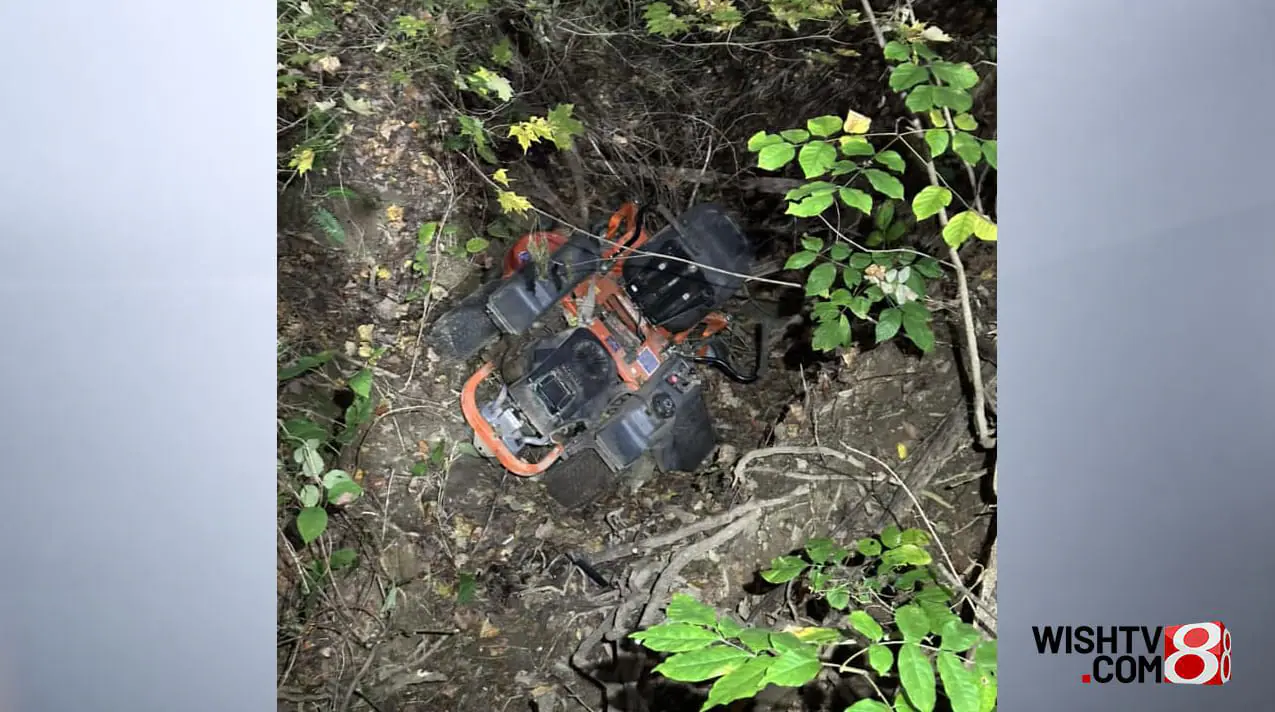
{"x":613,"y":392}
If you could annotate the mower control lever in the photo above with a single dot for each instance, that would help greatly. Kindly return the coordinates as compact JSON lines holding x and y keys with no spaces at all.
{"x":759,"y":367}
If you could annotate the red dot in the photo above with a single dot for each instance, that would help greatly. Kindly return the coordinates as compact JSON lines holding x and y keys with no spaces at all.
{"x":1195,"y":637}
{"x":1085,"y":679}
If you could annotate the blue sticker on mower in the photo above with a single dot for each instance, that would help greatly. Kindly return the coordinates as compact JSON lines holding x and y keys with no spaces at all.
{"x":612,"y":344}
{"x":524,"y":257}
{"x":648,"y":361}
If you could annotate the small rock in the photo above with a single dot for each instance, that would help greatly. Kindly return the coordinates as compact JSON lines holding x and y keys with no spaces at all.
{"x":389,"y":310}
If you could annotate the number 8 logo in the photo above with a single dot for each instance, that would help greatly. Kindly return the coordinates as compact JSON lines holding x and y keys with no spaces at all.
{"x":1211,"y":663}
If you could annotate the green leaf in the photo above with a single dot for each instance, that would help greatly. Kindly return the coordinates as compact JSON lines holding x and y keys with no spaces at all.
{"x":960,"y":76}
{"x":466,"y":588}
{"x":841,"y":168}
{"x":816,"y":158}
{"x":330,"y":225}
{"x":967,"y":147}
{"x":952,"y":98}
{"x":869,"y":705}
{"x":342,"y":559}
{"x":989,"y":152}
{"x":762,"y":139}
{"x":838,"y":598}
{"x":824,"y":126}
{"x":985,"y":656}
{"x":793,"y":668}
{"x":304,"y":429}
{"x":705,"y":664}
{"x":888,"y":324}
{"x":891,"y":536}
{"x":819,"y":636}
{"x":937,"y":140}
{"x":908,"y":579}
{"x":361,"y":384}
{"x":867,"y":625}
{"x":859,"y":306}
{"x":813,"y":244}
{"x":938,"y":613}
{"x":857,"y":199}
{"x":906,"y":554}
{"x":342,"y":493}
{"x":311,"y":522}
{"x":930,"y":201}
{"x":907,"y":75}
{"x":821,"y":279}
{"x":958,"y":636}
{"x":959,"y":683}
{"x":884,"y":183}
{"x":810,"y":206}
{"x":880,"y":659}
{"x":741,"y":683}
{"x":920,"y":99}
{"x":304,"y":364}
{"x":784,"y":569}
{"x":728,"y":627}
{"x":475,"y":245}
{"x":919,"y":331}
{"x":929,"y":267}
{"x":860,"y":260}
{"x":783,"y":642}
{"x":675,"y":637}
{"x":856,"y":146}
{"x":987,"y":694}
{"x":896,"y":51}
{"x":965,"y":122}
{"x":795,"y":135}
{"x":912,"y":535}
{"x":800,"y":260}
{"x":839,"y":252}
{"x":775,"y":156}
{"x":309,"y":496}
{"x":901,"y":703}
{"x":912,"y":622}
{"x":684,"y":609}
{"x":891,"y":160}
{"x":885,"y":215}
{"x":868,"y":546}
{"x":959,"y":228}
{"x":755,"y":639}
{"x":917,"y":676}
{"x":820,"y":549}
{"x":564,"y":127}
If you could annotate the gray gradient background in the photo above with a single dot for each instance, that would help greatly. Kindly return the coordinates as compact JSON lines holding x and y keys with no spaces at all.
{"x":137,"y":267}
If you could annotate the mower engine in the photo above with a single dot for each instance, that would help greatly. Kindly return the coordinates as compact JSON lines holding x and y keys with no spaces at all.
{"x":617,"y":392}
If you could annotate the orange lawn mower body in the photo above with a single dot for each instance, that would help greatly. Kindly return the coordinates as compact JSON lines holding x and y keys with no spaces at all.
{"x":616,"y":391}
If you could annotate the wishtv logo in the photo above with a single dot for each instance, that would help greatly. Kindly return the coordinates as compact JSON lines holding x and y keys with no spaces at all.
{"x":1191,"y":654}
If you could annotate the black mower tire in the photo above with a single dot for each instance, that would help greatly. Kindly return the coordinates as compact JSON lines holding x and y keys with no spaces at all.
{"x":584,"y":478}
{"x":465,"y":329}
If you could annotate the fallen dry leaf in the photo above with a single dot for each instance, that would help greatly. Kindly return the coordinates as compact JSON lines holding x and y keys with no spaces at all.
{"x":394,"y":213}
{"x":488,"y":630}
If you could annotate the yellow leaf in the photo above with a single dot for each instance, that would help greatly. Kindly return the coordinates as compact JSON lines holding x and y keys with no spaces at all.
{"x":984,"y":229}
{"x":511,"y":202}
{"x":903,"y":451}
{"x":488,"y":630}
{"x":382,"y":273}
{"x":365,"y":351}
{"x":501,"y":176}
{"x":856,"y":123}
{"x":530,"y":131}
{"x":394,"y":213}
{"x":365,"y":332}
{"x":303,"y":161}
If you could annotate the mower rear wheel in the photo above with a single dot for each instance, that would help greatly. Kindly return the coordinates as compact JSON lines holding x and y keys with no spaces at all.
{"x":584,"y":478}
{"x":466,"y":328}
